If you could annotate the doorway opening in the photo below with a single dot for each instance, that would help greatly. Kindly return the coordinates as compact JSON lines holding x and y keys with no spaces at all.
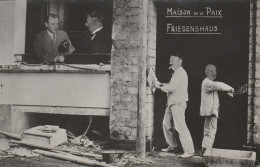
{"x":228,"y":50}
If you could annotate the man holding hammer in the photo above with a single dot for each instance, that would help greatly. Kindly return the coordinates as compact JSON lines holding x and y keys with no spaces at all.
{"x":174,"y":118}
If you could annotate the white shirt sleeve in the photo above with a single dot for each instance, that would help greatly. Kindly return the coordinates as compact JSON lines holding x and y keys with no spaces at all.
{"x":213,"y":86}
{"x":174,"y":83}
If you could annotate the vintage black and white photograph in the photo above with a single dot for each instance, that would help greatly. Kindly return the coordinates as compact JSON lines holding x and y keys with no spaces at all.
{"x":171,"y":83}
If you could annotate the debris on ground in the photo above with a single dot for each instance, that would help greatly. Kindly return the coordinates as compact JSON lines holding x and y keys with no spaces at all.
{"x":7,"y":156}
{"x":22,"y":152}
{"x":129,"y":159}
{"x":75,"y":149}
{"x":84,"y":144}
{"x":112,"y":156}
{"x":4,"y":145}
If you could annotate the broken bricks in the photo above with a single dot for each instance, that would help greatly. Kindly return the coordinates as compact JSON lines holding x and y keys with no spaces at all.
{"x":22,"y":152}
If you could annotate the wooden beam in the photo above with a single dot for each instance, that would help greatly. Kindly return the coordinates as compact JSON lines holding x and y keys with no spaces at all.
{"x":141,"y":114}
{"x":57,"y":68}
{"x":61,"y":110}
{"x":76,"y":152}
{"x":73,"y":158}
{"x":12,"y":135}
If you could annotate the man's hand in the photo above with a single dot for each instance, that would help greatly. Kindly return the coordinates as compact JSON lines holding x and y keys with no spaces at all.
{"x":231,"y":92}
{"x":158,"y":84}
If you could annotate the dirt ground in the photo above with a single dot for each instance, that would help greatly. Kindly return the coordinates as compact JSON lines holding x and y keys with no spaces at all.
{"x":42,"y":161}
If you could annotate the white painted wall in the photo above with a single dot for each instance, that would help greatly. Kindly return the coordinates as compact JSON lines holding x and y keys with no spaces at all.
{"x":12,"y":29}
{"x":20,"y":26}
{"x":56,"y":89}
{"x":7,"y":24}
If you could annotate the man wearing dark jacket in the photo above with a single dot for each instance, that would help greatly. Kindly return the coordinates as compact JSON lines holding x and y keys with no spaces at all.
{"x":96,"y":40}
{"x":94,"y":46}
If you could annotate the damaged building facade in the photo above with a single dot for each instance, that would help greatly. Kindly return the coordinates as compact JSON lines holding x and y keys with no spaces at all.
{"x":109,"y":90}
{"x":119,"y":90}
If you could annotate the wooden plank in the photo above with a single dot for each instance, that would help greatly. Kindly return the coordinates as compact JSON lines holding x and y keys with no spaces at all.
{"x":76,"y":152}
{"x":15,"y":136}
{"x":61,"y":110}
{"x":112,"y":152}
{"x":73,"y":158}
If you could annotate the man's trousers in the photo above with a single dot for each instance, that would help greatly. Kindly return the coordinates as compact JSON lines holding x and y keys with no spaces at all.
{"x":174,"y":119}
{"x":210,"y":129}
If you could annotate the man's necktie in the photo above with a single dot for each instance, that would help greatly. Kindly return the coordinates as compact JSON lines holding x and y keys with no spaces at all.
{"x":53,"y":40}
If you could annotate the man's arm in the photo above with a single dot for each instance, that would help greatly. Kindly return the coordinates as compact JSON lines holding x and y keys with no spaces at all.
{"x":213,"y":86}
{"x":71,"y":49}
{"x":174,"y":83}
{"x":39,"y":51}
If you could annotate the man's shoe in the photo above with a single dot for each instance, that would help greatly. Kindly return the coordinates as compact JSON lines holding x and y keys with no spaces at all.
{"x":168,"y":149}
{"x":207,"y":152}
{"x":186,"y":155}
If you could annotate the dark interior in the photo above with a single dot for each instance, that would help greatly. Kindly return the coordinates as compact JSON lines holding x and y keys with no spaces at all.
{"x":228,"y":51}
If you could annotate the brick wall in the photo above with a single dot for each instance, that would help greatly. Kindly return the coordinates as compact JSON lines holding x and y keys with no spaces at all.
{"x":254,"y":74}
{"x":257,"y":76}
{"x":251,"y":75}
{"x":128,"y":34}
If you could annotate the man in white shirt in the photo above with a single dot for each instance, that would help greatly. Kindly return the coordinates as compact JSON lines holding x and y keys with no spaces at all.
{"x":209,"y":107}
{"x":174,"y":118}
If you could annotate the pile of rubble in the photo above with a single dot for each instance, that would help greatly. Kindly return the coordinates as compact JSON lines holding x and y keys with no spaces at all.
{"x":54,"y":142}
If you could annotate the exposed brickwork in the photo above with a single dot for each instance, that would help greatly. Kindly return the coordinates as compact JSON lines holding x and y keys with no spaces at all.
{"x":254,"y":75}
{"x":251,"y":75}
{"x":128,"y":33}
{"x":124,"y":80}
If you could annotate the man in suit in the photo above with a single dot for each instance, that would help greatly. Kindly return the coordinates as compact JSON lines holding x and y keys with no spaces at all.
{"x":174,"y":117}
{"x":47,"y":42}
{"x":96,"y":40}
{"x":209,"y":107}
